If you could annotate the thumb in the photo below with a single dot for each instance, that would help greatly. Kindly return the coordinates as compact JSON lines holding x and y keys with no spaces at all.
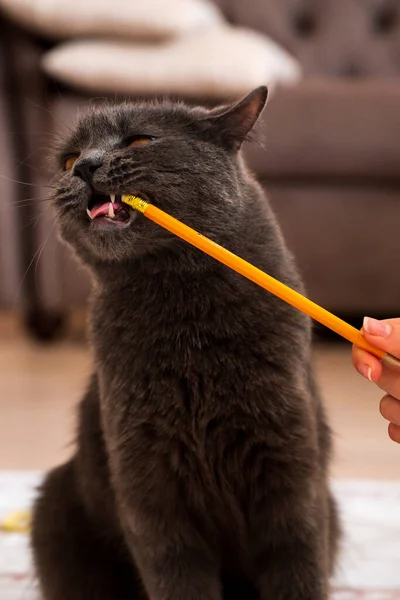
{"x":383,"y":334}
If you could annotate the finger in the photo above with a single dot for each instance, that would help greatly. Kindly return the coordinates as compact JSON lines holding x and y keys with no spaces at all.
{"x":389,"y":381}
{"x":366,"y":364}
{"x":390,"y":409}
{"x":386,"y":377}
{"x":394,"y":432}
{"x":383,"y":334}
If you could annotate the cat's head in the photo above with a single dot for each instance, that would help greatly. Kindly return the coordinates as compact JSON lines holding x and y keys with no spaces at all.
{"x":184,"y":160}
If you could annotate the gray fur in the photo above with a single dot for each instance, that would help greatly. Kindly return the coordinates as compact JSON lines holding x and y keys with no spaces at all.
{"x":201,"y":466}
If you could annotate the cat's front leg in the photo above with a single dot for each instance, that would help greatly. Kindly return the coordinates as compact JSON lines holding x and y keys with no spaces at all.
{"x":165,"y":516}
{"x":173,"y":568}
{"x":292,"y":564}
{"x":290,"y":549}
{"x":292,"y":572}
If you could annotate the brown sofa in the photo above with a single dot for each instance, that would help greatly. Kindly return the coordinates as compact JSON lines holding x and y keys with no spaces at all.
{"x":332,"y":150}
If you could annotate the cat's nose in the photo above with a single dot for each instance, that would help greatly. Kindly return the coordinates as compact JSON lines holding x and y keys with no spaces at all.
{"x":86,"y":167}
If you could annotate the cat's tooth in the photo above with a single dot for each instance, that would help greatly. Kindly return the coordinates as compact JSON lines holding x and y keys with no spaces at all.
{"x":112,"y":196}
{"x":111,"y":212}
{"x":89,"y":214}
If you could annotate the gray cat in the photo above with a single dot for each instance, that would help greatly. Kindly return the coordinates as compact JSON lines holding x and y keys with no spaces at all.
{"x":201,"y":465}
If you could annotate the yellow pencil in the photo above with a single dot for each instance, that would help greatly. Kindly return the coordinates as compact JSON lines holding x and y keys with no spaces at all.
{"x":259,"y":277}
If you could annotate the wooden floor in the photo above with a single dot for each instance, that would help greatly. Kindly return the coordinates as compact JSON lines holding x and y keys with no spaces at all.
{"x":40,"y":385}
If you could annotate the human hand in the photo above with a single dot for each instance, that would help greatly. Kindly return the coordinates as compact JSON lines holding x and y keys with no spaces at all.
{"x":384,"y":335}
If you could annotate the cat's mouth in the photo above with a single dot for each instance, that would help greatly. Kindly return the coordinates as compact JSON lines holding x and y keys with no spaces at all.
{"x":104,"y":208}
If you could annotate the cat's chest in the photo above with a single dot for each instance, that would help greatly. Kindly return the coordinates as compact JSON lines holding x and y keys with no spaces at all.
{"x":142,"y":346}
{"x":172,"y":349}
{"x":180,"y":369}
{"x":170,"y":330}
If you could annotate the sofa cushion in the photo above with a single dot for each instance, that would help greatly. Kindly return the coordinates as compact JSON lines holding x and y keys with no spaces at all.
{"x":332,"y":128}
{"x":345,"y":240}
{"x":154,"y":19}
{"x":217,"y":63}
{"x":350,"y":38}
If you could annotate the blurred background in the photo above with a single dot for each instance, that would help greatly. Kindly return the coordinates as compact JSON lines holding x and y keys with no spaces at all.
{"x":328,"y":157}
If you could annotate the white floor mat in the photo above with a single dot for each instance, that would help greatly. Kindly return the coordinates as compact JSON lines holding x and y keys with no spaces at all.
{"x":369,"y":568}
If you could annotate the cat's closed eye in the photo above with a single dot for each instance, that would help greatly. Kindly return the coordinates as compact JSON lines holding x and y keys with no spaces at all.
{"x":139,"y":140}
{"x":69,"y":161}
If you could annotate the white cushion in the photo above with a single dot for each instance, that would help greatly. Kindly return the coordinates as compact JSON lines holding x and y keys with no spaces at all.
{"x":218,"y":63}
{"x":155,"y":19}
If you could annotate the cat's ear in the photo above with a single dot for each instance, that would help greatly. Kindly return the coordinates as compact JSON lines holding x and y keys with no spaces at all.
{"x":232,"y":124}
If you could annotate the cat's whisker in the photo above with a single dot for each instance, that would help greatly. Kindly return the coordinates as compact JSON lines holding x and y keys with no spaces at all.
{"x":66,"y":208}
{"x":36,"y":185}
{"x":51,"y":113}
{"x":33,"y":221}
{"x":28,"y":201}
{"x":25,"y":164}
{"x":65,"y":198}
{"x":43,"y":134}
{"x":36,"y":256}
{"x":43,"y":246}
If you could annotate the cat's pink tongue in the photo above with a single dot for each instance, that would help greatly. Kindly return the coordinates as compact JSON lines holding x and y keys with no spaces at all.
{"x":104,"y":210}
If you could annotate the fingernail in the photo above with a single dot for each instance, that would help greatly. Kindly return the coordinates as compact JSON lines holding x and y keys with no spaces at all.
{"x":375,"y":327}
{"x":365,"y":371}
